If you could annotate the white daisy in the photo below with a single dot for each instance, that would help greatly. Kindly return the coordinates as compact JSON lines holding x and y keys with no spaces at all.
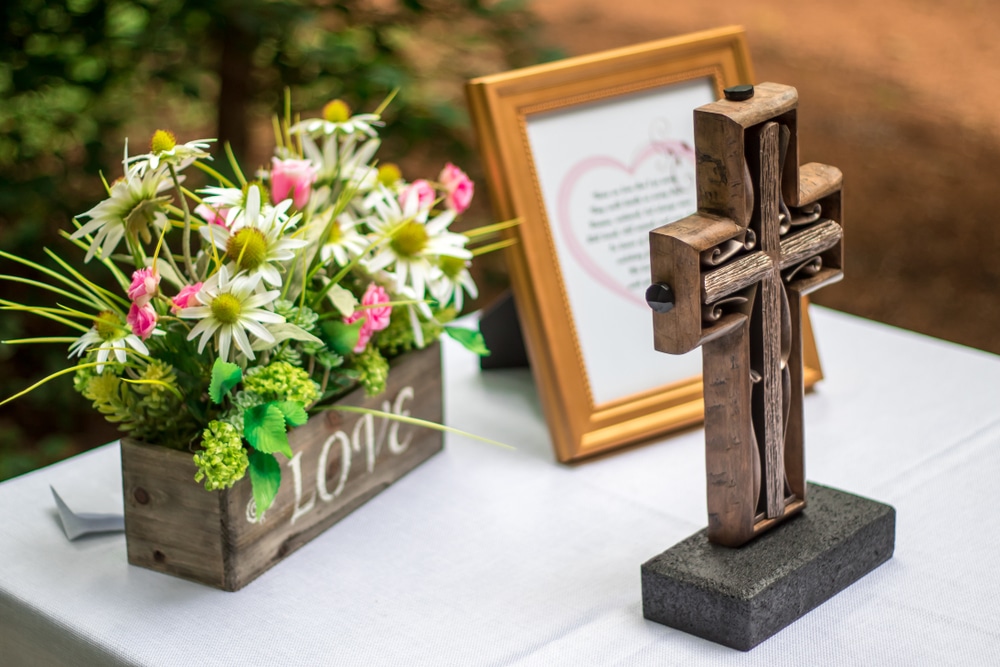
{"x":133,"y":204}
{"x":342,"y":242}
{"x":231,"y":308}
{"x":410,"y":246}
{"x":233,"y":203}
{"x":343,"y":159}
{"x":164,"y":149}
{"x":337,"y":118}
{"x":256,"y":241}
{"x":111,"y":334}
{"x":453,"y":282}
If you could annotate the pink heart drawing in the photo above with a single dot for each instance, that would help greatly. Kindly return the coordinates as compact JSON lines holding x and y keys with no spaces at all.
{"x":684,"y":158}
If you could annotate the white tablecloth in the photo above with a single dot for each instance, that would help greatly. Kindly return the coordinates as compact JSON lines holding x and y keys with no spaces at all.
{"x":489,"y":557}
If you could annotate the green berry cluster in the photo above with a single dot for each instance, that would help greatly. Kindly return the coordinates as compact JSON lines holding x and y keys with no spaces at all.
{"x":372,"y":369}
{"x":281,"y":381}
{"x":223,"y":462}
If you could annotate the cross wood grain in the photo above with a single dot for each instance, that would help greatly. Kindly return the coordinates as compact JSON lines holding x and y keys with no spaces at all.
{"x":771,"y":295}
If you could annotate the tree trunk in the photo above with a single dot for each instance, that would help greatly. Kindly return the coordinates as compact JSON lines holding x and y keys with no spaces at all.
{"x":234,"y":89}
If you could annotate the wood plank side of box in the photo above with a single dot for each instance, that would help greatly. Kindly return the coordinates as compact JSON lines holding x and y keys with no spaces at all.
{"x":341,"y":460}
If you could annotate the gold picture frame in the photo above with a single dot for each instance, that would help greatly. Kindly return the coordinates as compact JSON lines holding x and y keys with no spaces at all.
{"x":547,"y":132}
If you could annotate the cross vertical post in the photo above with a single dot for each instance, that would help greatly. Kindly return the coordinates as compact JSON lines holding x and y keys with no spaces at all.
{"x":730,"y":278}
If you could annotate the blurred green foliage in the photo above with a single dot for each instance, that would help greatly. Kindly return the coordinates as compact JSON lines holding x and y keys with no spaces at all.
{"x":77,"y":77}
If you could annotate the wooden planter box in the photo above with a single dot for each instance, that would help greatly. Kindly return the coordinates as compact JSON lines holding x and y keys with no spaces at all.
{"x":173,"y":525}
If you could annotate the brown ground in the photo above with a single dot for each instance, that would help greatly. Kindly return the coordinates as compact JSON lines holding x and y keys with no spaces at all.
{"x":903,"y":98}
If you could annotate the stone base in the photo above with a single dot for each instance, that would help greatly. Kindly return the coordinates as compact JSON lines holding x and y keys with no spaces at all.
{"x":740,"y":597}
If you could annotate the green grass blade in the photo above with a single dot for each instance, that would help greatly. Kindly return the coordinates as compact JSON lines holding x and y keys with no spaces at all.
{"x":46,"y":286}
{"x":499,"y":245}
{"x":38,"y":384}
{"x":387,"y":101}
{"x":415,"y":422}
{"x":97,"y":302}
{"x":51,"y":316}
{"x":214,"y":174}
{"x":40,"y":339}
{"x":235,"y":165}
{"x":169,"y":386}
{"x":62,"y":310}
{"x":492,"y":229}
{"x":123,"y":282}
{"x":96,"y":289}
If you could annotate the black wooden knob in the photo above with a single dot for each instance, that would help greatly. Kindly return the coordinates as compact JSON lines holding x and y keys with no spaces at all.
{"x":739,"y":93}
{"x":660,"y":297}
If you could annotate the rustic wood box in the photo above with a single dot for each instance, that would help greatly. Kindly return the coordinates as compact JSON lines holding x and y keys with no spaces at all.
{"x":341,"y":460}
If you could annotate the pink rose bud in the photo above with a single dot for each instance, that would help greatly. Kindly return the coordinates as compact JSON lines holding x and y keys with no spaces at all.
{"x":459,"y":186}
{"x":292,"y":178}
{"x":378,"y":316}
{"x":213,"y":216}
{"x":422,"y":190}
{"x":185,"y":297}
{"x":144,"y":285}
{"x":142,"y":319}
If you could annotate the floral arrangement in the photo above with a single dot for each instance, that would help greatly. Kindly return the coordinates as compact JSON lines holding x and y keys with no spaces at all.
{"x":290,"y":287}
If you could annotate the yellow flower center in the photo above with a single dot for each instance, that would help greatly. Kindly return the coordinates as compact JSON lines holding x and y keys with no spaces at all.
{"x":248,"y":248}
{"x":336,"y":233}
{"x":388,"y":174}
{"x":451,"y":266}
{"x":336,"y":111}
{"x":409,"y":240}
{"x":226,"y":308}
{"x":163,"y":140}
{"x":108,"y":325}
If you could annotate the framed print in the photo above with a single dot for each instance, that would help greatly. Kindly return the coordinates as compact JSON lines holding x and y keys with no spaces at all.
{"x":591,"y":153}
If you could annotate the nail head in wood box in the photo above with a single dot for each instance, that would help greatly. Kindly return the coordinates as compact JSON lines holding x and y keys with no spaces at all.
{"x":341,"y":460}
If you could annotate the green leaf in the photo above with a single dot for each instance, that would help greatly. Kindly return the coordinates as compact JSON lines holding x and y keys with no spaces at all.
{"x":265,"y":478}
{"x":342,"y":300}
{"x":225,"y":376}
{"x":340,"y":337}
{"x":293,"y":411}
{"x":283,"y":332}
{"x":264,"y":429}
{"x":470,"y":338}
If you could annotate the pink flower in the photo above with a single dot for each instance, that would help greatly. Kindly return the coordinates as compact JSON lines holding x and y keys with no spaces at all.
{"x":145,"y":282}
{"x":142,"y":319}
{"x":459,"y":186}
{"x":183,"y":298}
{"x":213,"y":216}
{"x":292,"y":178}
{"x":376,"y":317}
{"x":422,"y":190}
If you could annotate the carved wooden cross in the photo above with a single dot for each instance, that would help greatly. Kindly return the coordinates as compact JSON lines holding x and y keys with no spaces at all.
{"x":731,"y":278}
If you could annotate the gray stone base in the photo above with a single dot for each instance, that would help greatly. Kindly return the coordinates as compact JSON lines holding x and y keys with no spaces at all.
{"x":740,"y":597}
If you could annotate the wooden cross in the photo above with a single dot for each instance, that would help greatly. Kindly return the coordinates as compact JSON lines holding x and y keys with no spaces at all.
{"x":731,"y":278}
